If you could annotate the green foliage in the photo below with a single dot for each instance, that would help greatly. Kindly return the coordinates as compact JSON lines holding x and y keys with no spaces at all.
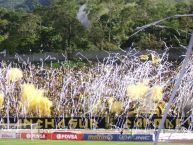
{"x":173,"y":32}
{"x":53,"y":25}
{"x":11,"y":3}
{"x":66,"y":30}
{"x":114,"y":18}
{"x":75,"y":63}
{"x":2,"y":38}
{"x":49,"y":40}
{"x":22,"y":31}
{"x":28,"y":5}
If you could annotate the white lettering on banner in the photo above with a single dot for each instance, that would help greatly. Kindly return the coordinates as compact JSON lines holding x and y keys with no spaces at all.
{"x":125,"y":137}
{"x":7,"y":135}
{"x":100,"y":137}
{"x":110,"y":137}
{"x":142,"y":138}
{"x":66,"y":136}
{"x":35,"y":136}
{"x":58,"y":136}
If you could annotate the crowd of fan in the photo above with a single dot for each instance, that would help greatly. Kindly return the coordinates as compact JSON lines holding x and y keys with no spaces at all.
{"x":65,"y":87}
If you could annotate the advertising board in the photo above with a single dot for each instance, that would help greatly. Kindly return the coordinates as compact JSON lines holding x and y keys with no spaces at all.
{"x":118,"y":137}
{"x":142,"y":137}
{"x":33,"y":135}
{"x":8,"y":135}
{"x":100,"y":137}
{"x":67,"y":136}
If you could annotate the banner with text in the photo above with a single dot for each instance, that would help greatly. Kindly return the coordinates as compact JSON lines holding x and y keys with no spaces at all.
{"x":98,"y":122}
{"x":42,"y":136}
{"x":53,"y":136}
{"x":67,"y":136}
{"x":118,"y":137}
{"x":4,"y":135}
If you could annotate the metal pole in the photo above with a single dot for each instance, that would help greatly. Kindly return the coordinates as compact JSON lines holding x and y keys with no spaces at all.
{"x":8,"y":103}
{"x":177,"y":83}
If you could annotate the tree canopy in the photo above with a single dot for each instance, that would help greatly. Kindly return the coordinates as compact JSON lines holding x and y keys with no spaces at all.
{"x":52,"y":25}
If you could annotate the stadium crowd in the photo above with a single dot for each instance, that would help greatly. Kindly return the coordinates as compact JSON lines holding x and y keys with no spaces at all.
{"x":67,"y":89}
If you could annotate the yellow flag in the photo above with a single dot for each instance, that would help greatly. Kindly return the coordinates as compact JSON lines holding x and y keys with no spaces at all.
{"x":155,"y":59}
{"x":14,"y":74}
{"x":143,"y":57}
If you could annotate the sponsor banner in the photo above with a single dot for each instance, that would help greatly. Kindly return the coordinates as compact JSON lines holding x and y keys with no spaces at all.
{"x":124,"y":137}
{"x":142,"y":137}
{"x":67,"y":136}
{"x":118,"y":137}
{"x":176,"y":136}
{"x":34,"y":135}
{"x":135,"y":137}
{"x":100,"y":137}
{"x":18,"y":135}
{"x":81,"y":136}
{"x":7,"y":135}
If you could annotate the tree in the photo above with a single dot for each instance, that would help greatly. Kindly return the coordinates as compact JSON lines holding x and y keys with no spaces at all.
{"x":66,"y":26}
{"x":3,"y":29}
{"x":22,"y":32}
{"x":28,"y":31}
{"x":50,"y":40}
{"x":115,"y":20}
{"x":171,"y":31}
{"x":52,"y":25}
